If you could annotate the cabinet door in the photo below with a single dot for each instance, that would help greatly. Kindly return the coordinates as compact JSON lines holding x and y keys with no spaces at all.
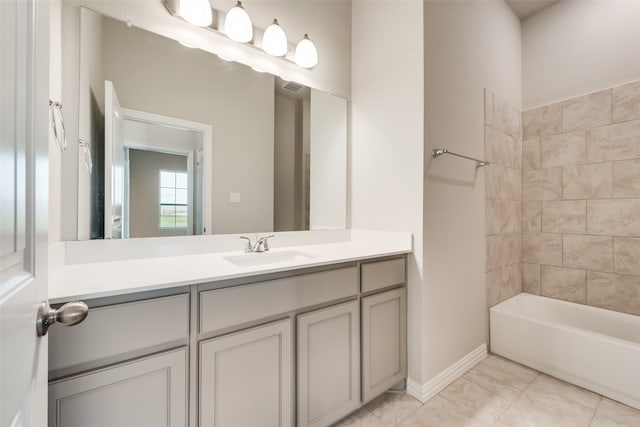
{"x":384,"y":342}
{"x":148,"y":392}
{"x":328,"y":364}
{"x":246,"y":378}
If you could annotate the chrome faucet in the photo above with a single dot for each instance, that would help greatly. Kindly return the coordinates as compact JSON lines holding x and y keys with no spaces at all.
{"x":262,"y":244}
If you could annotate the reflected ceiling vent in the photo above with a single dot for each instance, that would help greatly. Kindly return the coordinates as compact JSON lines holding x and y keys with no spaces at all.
{"x":292,"y":86}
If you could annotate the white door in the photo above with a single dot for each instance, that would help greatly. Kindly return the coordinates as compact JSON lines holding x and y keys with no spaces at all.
{"x":113,"y":163}
{"x":24,"y":45}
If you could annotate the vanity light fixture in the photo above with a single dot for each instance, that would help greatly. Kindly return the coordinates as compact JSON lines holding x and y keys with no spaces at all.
{"x":237,"y":24}
{"x":196,"y":12}
{"x":238,"y":27}
{"x":306,"y":53}
{"x":274,"y":41}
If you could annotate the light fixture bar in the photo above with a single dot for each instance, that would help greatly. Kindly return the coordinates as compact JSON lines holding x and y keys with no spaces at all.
{"x":173,"y":7}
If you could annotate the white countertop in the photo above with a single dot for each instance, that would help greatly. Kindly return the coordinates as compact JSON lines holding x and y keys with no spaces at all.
{"x":116,"y":277}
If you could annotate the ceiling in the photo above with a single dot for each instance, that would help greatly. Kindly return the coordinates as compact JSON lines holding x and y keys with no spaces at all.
{"x":525,"y":8}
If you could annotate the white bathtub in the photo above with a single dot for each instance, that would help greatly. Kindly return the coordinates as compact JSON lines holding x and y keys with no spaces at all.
{"x":590,"y":347}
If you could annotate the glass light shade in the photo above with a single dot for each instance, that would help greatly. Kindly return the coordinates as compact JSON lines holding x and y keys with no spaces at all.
{"x":196,"y":12}
{"x":274,"y":41}
{"x":237,"y":25}
{"x":306,"y":53}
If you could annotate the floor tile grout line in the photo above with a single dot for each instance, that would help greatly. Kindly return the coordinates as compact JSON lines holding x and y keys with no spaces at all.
{"x":595,"y":411}
{"x":485,"y":387}
{"x":404,"y":418}
{"x":454,"y":403}
{"x":516,"y":398}
{"x":397,"y":423}
{"x":474,"y":417}
{"x":474,"y":383}
{"x":488,"y":389}
{"x":511,"y":402}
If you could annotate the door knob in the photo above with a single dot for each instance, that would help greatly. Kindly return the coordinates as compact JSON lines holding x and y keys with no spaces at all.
{"x":69,"y":314}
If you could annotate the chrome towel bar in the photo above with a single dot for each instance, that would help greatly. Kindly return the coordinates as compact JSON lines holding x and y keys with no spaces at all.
{"x":437,"y":152}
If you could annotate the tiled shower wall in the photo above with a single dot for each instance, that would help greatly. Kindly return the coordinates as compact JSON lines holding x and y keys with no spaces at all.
{"x":581,"y":199}
{"x":503,"y":148}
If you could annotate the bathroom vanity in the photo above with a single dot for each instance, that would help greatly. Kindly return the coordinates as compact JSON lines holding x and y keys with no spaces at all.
{"x":201,"y":334}
{"x":300,"y":343}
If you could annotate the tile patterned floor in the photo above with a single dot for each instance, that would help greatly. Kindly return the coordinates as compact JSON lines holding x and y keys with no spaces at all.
{"x":500,"y":393}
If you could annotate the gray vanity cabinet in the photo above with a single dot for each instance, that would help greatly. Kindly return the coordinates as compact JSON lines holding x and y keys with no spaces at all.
{"x":246,"y":378}
{"x":299,"y":348}
{"x":146,"y":392}
{"x":125,"y":365}
{"x":246,"y":364}
{"x":328,"y":364}
{"x":384,"y":342}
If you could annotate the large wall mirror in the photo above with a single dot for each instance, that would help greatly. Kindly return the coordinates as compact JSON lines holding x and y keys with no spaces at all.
{"x":183,"y":142}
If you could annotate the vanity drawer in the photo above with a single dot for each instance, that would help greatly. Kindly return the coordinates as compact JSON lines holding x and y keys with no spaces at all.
{"x":382,"y":274}
{"x":110,"y":333}
{"x":224,"y":308}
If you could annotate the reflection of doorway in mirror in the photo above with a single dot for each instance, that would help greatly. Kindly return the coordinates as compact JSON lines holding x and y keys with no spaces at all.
{"x":153,"y":143}
{"x":133,"y":209}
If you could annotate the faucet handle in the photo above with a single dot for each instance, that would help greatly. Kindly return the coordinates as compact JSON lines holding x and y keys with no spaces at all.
{"x":265,"y":241}
{"x":249,"y":247}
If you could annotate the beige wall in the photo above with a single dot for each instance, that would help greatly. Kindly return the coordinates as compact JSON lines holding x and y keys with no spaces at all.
{"x":581,"y":208}
{"x":284,"y":195}
{"x":144,"y":167}
{"x":469,"y":46}
{"x":427,"y":91}
{"x":387,"y":114}
{"x":577,"y":47}
{"x":503,"y":194}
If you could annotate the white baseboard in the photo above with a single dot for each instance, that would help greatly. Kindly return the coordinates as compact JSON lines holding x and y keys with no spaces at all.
{"x":424,"y":392}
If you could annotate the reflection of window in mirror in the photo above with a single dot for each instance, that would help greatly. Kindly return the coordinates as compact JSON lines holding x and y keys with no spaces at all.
{"x":173,"y":199}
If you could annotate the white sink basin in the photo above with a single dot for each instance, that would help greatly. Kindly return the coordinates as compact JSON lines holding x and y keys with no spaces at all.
{"x":266,"y":258}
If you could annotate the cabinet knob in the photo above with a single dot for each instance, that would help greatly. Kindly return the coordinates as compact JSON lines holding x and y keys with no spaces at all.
{"x":69,"y":314}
